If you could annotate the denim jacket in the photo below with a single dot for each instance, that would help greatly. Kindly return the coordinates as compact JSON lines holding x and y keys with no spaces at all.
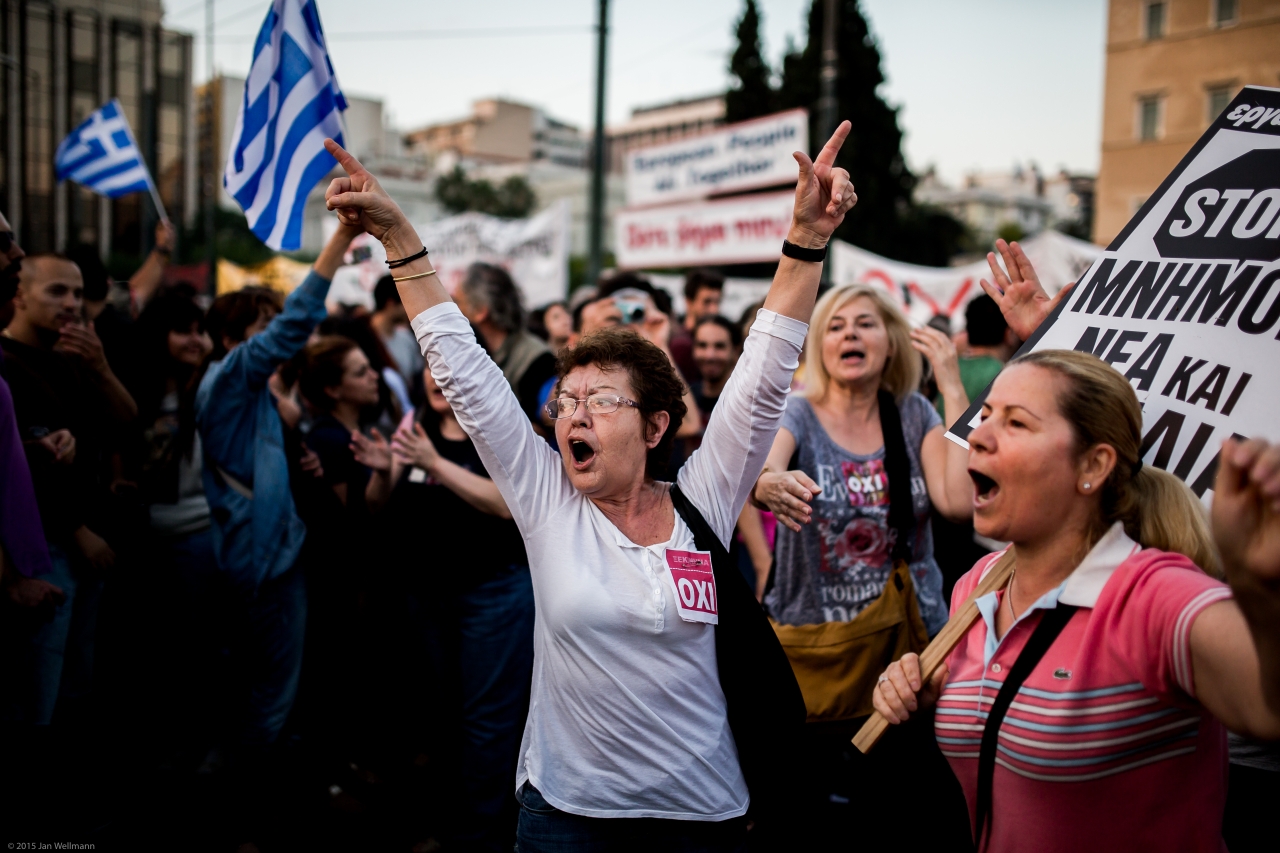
{"x":255,"y":538}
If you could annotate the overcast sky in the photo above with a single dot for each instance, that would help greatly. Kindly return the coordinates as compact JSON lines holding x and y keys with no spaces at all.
{"x":981,"y":84}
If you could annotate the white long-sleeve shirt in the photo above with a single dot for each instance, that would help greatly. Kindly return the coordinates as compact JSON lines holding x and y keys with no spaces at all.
{"x":626,"y":718}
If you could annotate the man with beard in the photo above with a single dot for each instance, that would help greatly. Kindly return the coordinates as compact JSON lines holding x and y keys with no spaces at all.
{"x":717,"y":344}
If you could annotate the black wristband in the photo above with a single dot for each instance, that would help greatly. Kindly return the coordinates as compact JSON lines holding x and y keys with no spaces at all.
{"x":800,"y":253}
{"x":399,"y":262}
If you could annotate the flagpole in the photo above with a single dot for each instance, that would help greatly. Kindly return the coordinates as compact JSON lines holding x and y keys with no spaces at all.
{"x":151,"y":184}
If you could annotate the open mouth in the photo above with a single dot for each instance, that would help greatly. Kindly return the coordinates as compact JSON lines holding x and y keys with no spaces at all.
{"x":853,"y":356}
{"x":985,"y":488}
{"x":582,"y":452}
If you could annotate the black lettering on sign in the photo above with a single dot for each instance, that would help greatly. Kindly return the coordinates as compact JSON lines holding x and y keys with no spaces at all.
{"x":1210,"y":472}
{"x":1217,"y":294}
{"x":1211,"y":388}
{"x":1089,"y":341}
{"x":1249,"y":321}
{"x":1192,"y":453}
{"x":1182,"y":376}
{"x":1179,"y":293}
{"x":1147,"y":286}
{"x":1236,"y":392}
{"x":1148,"y":364}
{"x":1231,"y":212}
{"x":1165,"y":430}
{"x":1105,"y":288}
{"x":1117,"y":354}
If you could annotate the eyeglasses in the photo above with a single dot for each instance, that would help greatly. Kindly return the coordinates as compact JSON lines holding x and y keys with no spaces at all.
{"x":597,"y":404}
{"x":6,"y":241}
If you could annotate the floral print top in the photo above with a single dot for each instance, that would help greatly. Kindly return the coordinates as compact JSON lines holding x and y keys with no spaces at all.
{"x":838,"y":564}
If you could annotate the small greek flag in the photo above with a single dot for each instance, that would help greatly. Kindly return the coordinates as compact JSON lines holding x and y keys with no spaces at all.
{"x":101,"y":154}
{"x":291,"y":103}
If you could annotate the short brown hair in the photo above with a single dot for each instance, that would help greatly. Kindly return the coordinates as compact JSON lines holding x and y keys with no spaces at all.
{"x":322,"y":368}
{"x":657,"y":386}
{"x":231,"y":314}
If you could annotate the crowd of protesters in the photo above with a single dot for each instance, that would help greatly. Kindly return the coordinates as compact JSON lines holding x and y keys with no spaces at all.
{"x":434,"y":542}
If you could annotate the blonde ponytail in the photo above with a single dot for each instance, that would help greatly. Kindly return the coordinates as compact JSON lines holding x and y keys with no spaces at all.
{"x":1157,"y":509}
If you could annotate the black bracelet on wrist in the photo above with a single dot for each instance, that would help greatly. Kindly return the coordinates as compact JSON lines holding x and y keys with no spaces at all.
{"x":399,"y":262}
{"x":800,"y":253}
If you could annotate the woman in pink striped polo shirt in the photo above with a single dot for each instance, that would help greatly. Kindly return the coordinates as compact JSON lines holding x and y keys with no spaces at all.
{"x":1116,"y":739}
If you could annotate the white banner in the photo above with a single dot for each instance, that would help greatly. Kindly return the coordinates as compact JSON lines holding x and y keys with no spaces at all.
{"x":1185,"y":302}
{"x":923,"y":292}
{"x":535,"y":251}
{"x":743,"y":229}
{"x":737,"y":157}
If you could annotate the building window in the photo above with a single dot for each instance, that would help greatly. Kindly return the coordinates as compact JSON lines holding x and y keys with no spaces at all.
{"x":1149,"y":118}
{"x":1155,"y":20}
{"x":1218,"y":98}
{"x":1224,"y":12}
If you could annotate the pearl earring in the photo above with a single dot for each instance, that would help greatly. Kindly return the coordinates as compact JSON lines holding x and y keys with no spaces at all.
{"x":1087,"y":486}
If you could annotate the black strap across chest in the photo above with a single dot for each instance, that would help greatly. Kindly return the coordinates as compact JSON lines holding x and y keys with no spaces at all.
{"x":1051,"y":625}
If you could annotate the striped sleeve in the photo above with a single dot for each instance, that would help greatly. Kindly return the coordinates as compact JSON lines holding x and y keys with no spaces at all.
{"x":1154,"y":606}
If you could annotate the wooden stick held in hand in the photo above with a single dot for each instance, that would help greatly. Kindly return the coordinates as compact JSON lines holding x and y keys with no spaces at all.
{"x":938,"y":651}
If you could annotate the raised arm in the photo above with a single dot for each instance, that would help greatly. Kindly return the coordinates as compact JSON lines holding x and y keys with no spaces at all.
{"x":720,"y":474}
{"x":1235,"y":645}
{"x":823,"y":196}
{"x":527,"y":472}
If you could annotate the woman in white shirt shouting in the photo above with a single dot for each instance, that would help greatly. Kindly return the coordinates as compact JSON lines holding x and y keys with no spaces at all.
{"x":632,"y":712}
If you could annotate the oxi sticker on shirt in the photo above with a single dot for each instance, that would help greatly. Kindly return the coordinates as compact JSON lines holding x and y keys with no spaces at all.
{"x":695,"y":585}
{"x":866,"y":482}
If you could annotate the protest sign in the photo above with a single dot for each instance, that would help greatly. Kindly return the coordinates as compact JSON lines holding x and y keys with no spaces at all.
{"x":535,"y":251}
{"x":737,"y":157}
{"x":1185,"y":302}
{"x":923,"y":292}
{"x":742,"y":229}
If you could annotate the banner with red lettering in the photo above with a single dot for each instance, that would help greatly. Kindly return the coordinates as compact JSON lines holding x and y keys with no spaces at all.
{"x":924,"y":292}
{"x":1185,"y":302}
{"x":743,"y":229}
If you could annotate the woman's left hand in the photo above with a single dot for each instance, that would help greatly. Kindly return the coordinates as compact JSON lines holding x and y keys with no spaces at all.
{"x":824,"y":194}
{"x":942,"y":355}
{"x":372,"y":450}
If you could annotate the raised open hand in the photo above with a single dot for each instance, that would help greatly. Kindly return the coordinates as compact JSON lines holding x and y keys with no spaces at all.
{"x":1246,"y":510}
{"x":824,"y":193}
{"x":372,"y":450}
{"x":1022,"y":300}
{"x":361,"y":202}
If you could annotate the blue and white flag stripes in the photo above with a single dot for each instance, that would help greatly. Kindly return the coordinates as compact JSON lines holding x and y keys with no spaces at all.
{"x":291,"y":103}
{"x":102,"y":155}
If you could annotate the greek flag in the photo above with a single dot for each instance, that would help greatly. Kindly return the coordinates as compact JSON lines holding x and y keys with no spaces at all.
{"x":102,"y":155}
{"x":291,"y":103}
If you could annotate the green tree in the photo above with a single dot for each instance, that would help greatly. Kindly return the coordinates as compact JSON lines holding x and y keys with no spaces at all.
{"x":752,"y":93}
{"x":886,"y":220}
{"x":513,"y":198}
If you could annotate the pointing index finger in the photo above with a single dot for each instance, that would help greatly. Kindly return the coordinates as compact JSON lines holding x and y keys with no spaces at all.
{"x":827,"y":157}
{"x":343,"y":156}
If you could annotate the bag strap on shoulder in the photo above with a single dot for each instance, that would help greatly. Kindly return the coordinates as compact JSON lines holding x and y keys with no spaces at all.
{"x":897,"y":467}
{"x":1051,"y":625}
{"x":703,"y":536}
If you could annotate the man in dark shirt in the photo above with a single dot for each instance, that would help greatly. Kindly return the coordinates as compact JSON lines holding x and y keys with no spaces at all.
{"x":62,"y":387}
{"x":489,"y":299}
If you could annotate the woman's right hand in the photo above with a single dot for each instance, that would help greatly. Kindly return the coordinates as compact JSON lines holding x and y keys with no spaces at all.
{"x":824,"y":194}
{"x":901,"y":691}
{"x":411,"y":446}
{"x":361,"y":202}
{"x":787,"y":495}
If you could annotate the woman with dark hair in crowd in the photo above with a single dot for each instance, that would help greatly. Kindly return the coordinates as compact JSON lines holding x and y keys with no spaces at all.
{"x":637,"y":711}
{"x":393,"y":393}
{"x":470,"y":603}
{"x":553,"y":323}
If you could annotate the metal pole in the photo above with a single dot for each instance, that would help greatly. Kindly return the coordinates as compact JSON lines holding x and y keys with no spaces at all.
{"x":827,"y":104}
{"x":210,"y":144}
{"x":595,"y":223}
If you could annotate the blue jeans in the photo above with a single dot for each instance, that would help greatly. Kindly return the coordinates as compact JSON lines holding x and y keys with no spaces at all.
{"x":480,"y":644}
{"x":51,"y":657}
{"x":545,"y":829}
{"x":267,"y":654}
